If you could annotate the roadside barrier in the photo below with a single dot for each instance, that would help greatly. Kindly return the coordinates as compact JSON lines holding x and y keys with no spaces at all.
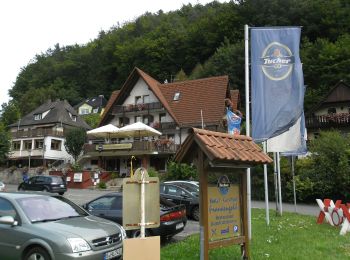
{"x":337,"y":214}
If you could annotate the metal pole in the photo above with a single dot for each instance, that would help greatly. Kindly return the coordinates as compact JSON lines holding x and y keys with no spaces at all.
{"x":294,"y":193}
{"x":142,"y":203}
{"x":247,"y":112}
{"x":279,"y":183}
{"x":275,"y":179}
{"x":266,"y":190}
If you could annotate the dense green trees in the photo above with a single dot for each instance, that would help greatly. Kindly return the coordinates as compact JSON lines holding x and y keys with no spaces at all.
{"x":198,"y":40}
{"x":322,"y":174}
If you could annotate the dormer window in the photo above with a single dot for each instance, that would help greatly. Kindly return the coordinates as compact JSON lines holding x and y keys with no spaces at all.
{"x":176,"y":96}
{"x":37,"y":116}
{"x":73,"y":117}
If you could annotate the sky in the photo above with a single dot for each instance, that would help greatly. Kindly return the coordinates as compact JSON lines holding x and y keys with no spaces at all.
{"x":30,"y":27}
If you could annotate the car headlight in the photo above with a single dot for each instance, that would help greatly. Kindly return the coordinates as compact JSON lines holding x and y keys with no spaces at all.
{"x":78,"y":245}
{"x":123,"y":232}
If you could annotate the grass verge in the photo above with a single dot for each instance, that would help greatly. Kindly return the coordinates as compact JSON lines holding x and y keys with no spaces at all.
{"x":291,"y":236}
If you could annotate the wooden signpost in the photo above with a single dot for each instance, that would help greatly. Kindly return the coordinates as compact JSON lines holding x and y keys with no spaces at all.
{"x":221,"y":160}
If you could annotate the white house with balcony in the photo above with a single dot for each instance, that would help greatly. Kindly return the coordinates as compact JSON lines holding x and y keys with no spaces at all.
{"x":38,"y":138}
{"x":171,"y":108}
{"x":333,"y":112}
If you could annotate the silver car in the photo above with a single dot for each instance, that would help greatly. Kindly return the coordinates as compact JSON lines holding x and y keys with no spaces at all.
{"x":38,"y":226}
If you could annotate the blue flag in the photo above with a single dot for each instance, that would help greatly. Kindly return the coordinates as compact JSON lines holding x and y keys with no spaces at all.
{"x":277,"y":81}
{"x":233,"y":123}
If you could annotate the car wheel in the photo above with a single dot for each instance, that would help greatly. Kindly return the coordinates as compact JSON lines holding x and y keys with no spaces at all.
{"x":61,"y":193}
{"x":195,"y":213}
{"x":137,"y":233}
{"x":45,"y":190}
{"x":21,"y":189}
{"x":37,"y":253}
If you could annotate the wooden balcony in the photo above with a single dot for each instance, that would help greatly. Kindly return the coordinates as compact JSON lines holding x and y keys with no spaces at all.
{"x":328,"y":121}
{"x":135,"y":147}
{"x":36,"y":133}
{"x":132,"y":108}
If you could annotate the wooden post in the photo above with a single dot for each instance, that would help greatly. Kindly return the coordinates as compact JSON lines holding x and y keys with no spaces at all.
{"x":245,"y":246}
{"x":203,"y":220}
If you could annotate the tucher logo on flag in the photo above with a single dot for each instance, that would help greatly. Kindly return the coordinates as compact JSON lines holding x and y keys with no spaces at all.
{"x":277,"y":61}
{"x":276,"y":79}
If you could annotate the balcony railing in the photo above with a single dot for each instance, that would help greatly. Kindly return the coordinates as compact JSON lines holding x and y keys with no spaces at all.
{"x":136,"y":108}
{"x":327,"y":121}
{"x":163,"y":125}
{"x":37,"y":133}
{"x":160,"y":145}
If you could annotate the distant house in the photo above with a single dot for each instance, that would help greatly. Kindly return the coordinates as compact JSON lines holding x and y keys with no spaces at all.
{"x":171,"y":108}
{"x":38,"y":138}
{"x":333,"y":112}
{"x":93,"y":105}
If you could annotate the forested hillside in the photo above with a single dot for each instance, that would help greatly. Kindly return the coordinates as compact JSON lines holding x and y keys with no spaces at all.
{"x":193,"y":42}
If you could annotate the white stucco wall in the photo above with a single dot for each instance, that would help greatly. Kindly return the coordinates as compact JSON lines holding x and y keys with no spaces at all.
{"x":140,"y":89}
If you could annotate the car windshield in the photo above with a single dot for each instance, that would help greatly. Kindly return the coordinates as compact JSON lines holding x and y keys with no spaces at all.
{"x":46,"y":208}
{"x":191,"y":188}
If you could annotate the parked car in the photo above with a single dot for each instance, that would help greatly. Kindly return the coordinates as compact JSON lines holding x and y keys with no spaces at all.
{"x":110,"y":206}
{"x":51,"y":183}
{"x":193,"y":186}
{"x":2,"y":186}
{"x":38,"y":226}
{"x":182,"y":194}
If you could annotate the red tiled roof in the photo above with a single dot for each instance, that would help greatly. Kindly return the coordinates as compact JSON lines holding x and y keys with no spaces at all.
{"x":206,"y":95}
{"x":154,"y":86}
{"x":195,"y":95}
{"x":109,"y":105}
{"x":224,"y":148}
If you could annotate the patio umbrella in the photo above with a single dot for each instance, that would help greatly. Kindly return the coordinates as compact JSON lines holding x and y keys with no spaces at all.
{"x":137,"y":129}
{"x":106,"y":131}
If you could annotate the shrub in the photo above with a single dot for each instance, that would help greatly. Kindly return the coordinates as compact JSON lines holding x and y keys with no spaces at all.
{"x":102,"y":185}
{"x":181,"y":171}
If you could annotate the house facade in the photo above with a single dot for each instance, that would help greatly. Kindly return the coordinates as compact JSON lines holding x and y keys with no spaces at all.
{"x":38,"y":138}
{"x":93,"y":105}
{"x":333,"y":112}
{"x":171,"y":108}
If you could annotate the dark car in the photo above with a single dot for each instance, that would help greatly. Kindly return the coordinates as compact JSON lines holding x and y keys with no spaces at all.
{"x":40,"y":226}
{"x":182,"y":194}
{"x":110,"y":206}
{"x":54,"y":184}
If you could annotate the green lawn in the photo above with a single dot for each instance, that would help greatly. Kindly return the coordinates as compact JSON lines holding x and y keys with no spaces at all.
{"x":291,"y":236}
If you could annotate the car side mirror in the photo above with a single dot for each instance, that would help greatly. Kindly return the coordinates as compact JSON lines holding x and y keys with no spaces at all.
{"x":8,"y":220}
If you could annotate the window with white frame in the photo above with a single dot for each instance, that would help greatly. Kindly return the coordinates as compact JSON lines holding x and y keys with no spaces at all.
{"x":27,"y":145}
{"x":56,"y":144}
{"x":39,"y":144}
{"x":16,"y":145}
{"x":37,"y":116}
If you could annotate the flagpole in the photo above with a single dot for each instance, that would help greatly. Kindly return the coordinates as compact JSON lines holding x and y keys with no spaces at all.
{"x":247,"y":115}
{"x":267,"y":213}
{"x":294,"y":193}
{"x":279,"y":183}
{"x":275,"y":179}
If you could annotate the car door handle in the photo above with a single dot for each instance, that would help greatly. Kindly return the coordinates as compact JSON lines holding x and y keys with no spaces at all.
{"x":170,"y":199}
{"x":101,"y":214}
